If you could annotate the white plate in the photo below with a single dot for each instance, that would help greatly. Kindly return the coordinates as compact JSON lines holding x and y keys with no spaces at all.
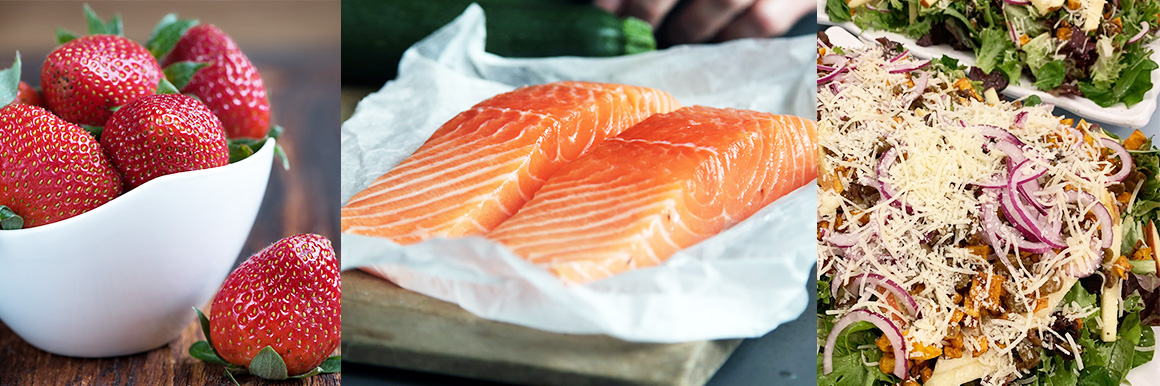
{"x":1138,"y":376}
{"x":1119,"y":115}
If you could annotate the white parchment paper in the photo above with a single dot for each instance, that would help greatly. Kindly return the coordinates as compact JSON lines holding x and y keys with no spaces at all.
{"x":743,"y":282}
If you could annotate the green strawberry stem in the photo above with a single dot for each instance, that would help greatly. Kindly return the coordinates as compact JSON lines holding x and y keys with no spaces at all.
{"x":243,"y":148}
{"x":10,"y":82}
{"x":180,"y":73}
{"x":166,"y":35}
{"x":64,"y":36}
{"x":9,"y":220}
{"x":94,"y":130}
{"x":97,"y":26}
{"x":164,"y":87}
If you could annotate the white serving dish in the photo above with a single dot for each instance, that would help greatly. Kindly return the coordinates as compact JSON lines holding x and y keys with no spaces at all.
{"x":122,"y":278}
{"x":1120,"y":115}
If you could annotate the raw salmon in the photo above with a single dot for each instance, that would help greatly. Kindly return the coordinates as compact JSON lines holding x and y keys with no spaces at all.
{"x":484,"y":164}
{"x":663,"y":185}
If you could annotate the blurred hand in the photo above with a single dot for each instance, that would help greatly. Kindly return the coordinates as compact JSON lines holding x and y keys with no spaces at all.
{"x":714,"y":20}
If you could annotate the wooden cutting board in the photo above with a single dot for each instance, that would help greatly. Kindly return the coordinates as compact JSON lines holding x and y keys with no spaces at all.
{"x":386,"y":325}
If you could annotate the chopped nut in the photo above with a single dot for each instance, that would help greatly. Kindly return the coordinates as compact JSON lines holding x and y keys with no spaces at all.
{"x":982,"y":346}
{"x":883,"y":344}
{"x":923,"y":352}
{"x":1121,"y":267}
{"x":1063,"y":33}
{"x":1144,"y":253}
{"x":1023,"y":40}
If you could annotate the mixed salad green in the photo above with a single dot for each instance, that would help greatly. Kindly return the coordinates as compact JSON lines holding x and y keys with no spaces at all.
{"x":1096,"y":49}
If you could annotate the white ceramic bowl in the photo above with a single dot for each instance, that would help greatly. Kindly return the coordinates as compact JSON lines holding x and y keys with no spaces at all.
{"x":122,"y":278}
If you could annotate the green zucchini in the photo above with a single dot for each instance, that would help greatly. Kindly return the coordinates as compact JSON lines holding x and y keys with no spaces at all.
{"x":376,"y":32}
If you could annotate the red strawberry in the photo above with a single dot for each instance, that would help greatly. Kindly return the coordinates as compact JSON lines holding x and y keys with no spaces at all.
{"x":27,"y":95}
{"x":82,"y":79}
{"x":50,"y":169}
{"x":229,"y":84}
{"x":163,"y":134}
{"x":287,"y":296}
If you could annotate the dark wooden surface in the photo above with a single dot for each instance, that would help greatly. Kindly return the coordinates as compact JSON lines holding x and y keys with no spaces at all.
{"x":303,"y":81}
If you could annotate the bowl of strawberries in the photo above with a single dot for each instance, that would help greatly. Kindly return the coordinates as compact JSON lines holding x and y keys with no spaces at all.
{"x":128,"y":185}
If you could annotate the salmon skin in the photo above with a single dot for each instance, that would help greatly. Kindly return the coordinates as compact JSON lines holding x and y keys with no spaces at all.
{"x":484,"y":164}
{"x":663,"y":185}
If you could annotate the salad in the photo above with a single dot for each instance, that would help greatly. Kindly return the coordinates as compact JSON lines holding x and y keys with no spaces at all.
{"x":967,"y":240}
{"x":1096,"y":49}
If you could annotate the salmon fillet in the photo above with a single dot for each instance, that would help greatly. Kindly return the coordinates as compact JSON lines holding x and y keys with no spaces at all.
{"x":663,"y":185}
{"x":484,"y":164}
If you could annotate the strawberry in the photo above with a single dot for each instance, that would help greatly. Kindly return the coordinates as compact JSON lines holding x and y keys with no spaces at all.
{"x":83,"y":79}
{"x":284,"y":305}
{"x":229,"y":84}
{"x":50,"y":169}
{"x":28,"y":95}
{"x":163,"y":134}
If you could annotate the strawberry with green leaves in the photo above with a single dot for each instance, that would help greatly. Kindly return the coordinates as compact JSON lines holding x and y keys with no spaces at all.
{"x":86,"y":77}
{"x":228,"y":83}
{"x":279,"y":314}
{"x":163,"y":134}
{"x":50,"y":169}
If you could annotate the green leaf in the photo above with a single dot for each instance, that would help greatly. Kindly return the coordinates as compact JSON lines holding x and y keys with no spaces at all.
{"x":64,"y":36}
{"x":166,"y":35}
{"x":838,"y":11}
{"x":1051,"y":75}
{"x":997,"y":52}
{"x":180,"y":73}
{"x":281,"y":154}
{"x":268,"y":365}
{"x":239,"y":151}
{"x":332,"y":365}
{"x":849,"y":369}
{"x":94,"y":130}
{"x":9,"y":220}
{"x":10,"y":82}
{"x":231,"y":377}
{"x":1032,"y":100}
{"x":275,"y":132}
{"x":164,"y":87}
{"x":96,"y":25}
{"x":204,"y":321}
{"x":202,"y":350}
{"x":115,"y":26}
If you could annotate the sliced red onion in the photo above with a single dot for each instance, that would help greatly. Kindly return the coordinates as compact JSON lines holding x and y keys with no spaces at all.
{"x":992,"y":131}
{"x":1011,"y":31}
{"x":843,"y":240}
{"x":910,"y":67}
{"x":826,"y":68}
{"x":1143,"y":31}
{"x":889,"y":330}
{"x":919,"y":87}
{"x":873,"y":279}
{"x":1125,"y":159}
{"x":1020,"y":119}
{"x":1085,"y":199}
{"x":833,"y":59}
{"x":884,"y":164}
{"x":833,"y":74}
{"x":1000,"y":235}
{"x":1014,"y":205}
{"x":1013,"y":151}
{"x":900,"y":56}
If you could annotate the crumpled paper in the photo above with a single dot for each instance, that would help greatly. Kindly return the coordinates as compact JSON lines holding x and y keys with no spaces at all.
{"x":741,"y":283}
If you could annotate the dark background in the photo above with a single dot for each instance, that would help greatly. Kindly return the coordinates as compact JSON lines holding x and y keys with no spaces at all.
{"x":295,"y":46}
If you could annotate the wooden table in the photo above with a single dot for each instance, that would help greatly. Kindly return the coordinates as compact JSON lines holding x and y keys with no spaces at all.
{"x":303,"y":82}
